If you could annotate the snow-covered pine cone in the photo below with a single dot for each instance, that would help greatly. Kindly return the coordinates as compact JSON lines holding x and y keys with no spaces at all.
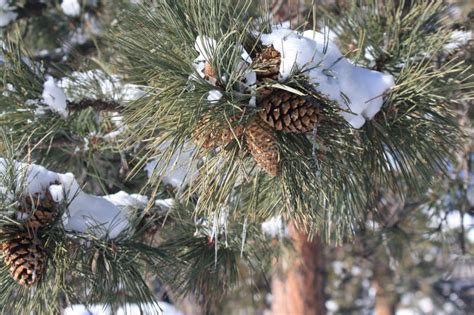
{"x":207,"y":136}
{"x":262,"y":145}
{"x":25,"y":257}
{"x":289,"y":112}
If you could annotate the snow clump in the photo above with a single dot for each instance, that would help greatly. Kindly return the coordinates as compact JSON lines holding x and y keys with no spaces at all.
{"x":7,"y":13}
{"x":71,"y":8}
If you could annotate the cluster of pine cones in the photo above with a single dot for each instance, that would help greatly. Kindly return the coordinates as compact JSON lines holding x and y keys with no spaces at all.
{"x":280,"y":110}
{"x":23,"y":252}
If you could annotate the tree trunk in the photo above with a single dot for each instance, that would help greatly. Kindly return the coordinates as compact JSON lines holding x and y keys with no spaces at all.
{"x":383,"y":302}
{"x":298,"y":281}
{"x":386,"y":299}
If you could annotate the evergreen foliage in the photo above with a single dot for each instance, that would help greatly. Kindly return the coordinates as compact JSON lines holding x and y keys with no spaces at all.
{"x":335,"y":181}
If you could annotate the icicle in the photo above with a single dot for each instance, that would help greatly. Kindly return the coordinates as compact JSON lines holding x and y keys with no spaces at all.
{"x":315,"y":150}
{"x":244,"y":236}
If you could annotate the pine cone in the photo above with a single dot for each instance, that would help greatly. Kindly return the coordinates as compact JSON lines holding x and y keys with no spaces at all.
{"x":267,"y":64}
{"x":262,"y":146}
{"x":210,"y":74}
{"x":41,"y":210}
{"x":209,"y":71}
{"x":26,"y":259}
{"x":289,"y":112}
{"x":207,"y":136}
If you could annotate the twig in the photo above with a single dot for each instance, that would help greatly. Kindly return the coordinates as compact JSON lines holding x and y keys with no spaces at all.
{"x":99,"y":105}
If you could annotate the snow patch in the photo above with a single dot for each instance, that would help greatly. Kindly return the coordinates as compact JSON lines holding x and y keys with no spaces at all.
{"x":457,"y":40}
{"x":7,"y":13}
{"x":179,"y":170}
{"x":358,"y":91}
{"x":101,"y":85}
{"x":54,"y":97}
{"x":275,"y":227}
{"x":214,"y":96}
{"x":71,"y":7}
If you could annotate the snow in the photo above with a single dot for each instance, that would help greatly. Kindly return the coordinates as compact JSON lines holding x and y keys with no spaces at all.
{"x":332,"y":306}
{"x":54,"y":97}
{"x":206,"y":46}
{"x":127,"y":201}
{"x":214,"y":96}
{"x":275,"y":227}
{"x":165,"y":204}
{"x":426,"y":305}
{"x":129,"y":309}
{"x":85,"y":213}
{"x":458,"y":39}
{"x":180,"y":169}
{"x":358,"y":91}
{"x":454,"y":220}
{"x":101,"y":85}
{"x":7,"y":13}
{"x":71,"y":7}
{"x":470,"y":235}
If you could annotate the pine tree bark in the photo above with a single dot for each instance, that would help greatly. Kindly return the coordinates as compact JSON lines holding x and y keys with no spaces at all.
{"x":298,"y":279}
{"x":386,"y":299}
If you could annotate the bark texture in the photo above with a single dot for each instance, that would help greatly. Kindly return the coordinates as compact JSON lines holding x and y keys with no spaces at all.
{"x":298,"y":280}
{"x":386,"y":299}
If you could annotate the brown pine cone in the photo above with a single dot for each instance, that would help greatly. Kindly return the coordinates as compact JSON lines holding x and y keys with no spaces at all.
{"x":289,"y":112}
{"x":267,"y":64}
{"x":41,"y":210}
{"x":207,"y":136}
{"x":262,"y":145}
{"x":26,"y":259}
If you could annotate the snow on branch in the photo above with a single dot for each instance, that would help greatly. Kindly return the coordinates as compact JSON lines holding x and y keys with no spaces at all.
{"x":358,"y":91}
{"x":104,"y":93}
{"x":100,"y":216}
{"x":7,"y":13}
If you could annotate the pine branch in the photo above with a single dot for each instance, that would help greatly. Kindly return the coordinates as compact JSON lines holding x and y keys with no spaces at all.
{"x":98,"y":105}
